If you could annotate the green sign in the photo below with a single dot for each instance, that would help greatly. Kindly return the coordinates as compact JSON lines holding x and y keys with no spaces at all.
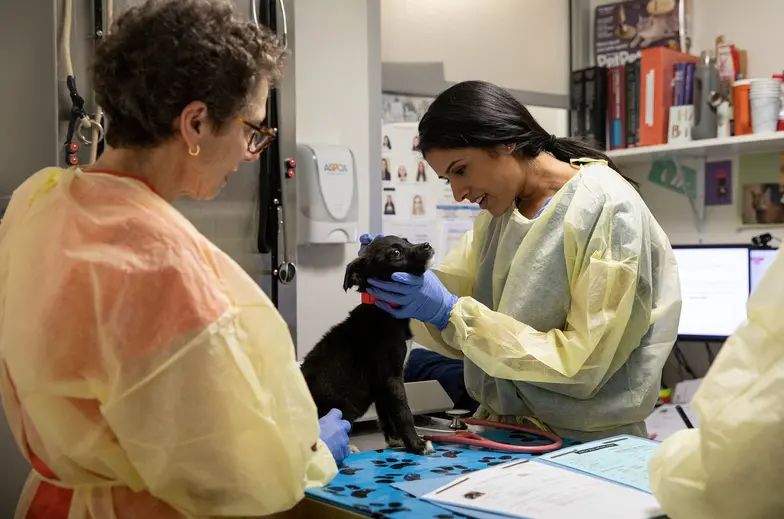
{"x":666,"y":173}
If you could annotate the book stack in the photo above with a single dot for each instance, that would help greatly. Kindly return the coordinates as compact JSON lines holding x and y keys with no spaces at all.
{"x":636,"y":42}
{"x":683,"y":84}
{"x":605,"y":105}
{"x":628,"y":105}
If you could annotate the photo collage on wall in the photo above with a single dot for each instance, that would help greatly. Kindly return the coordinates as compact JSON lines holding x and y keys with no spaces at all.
{"x":408,"y":183}
{"x":416,"y":204}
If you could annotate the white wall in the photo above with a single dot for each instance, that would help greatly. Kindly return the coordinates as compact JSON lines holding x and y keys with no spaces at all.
{"x":752,"y":25}
{"x":673,"y":212}
{"x":519,"y":44}
{"x":333,"y":107}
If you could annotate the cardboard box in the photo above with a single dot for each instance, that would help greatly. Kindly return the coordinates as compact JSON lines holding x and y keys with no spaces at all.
{"x":657,"y":68}
{"x":622,"y":30}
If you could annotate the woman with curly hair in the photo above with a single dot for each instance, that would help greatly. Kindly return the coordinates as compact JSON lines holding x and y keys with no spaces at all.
{"x":144,"y":373}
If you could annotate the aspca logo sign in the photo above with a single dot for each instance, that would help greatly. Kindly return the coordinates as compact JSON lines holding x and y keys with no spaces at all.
{"x":335,"y":167}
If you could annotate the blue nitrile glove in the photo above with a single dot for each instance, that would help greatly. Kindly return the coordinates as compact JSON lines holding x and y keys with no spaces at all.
{"x":334,"y":432}
{"x":423,"y":298}
{"x":366,"y":240}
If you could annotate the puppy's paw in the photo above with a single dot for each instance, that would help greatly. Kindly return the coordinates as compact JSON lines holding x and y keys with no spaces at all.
{"x":353,"y":449}
{"x":421,"y":447}
{"x":394,"y":443}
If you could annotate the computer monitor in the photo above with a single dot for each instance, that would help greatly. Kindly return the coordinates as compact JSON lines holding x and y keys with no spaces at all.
{"x":759,"y":261}
{"x":715,"y":283}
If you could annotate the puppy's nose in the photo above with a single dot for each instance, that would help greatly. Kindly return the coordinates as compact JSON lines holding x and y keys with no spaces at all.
{"x":425,"y":249}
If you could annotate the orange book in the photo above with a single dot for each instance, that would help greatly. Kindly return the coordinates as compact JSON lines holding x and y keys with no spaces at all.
{"x":657,"y":68}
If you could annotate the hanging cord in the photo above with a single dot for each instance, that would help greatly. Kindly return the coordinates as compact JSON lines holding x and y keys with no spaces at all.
{"x":681,"y":358}
{"x":97,"y":129}
{"x":711,"y":355}
{"x":77,"y":114}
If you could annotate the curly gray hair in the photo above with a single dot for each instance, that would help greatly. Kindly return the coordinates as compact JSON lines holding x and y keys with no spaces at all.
{"x":159,"y":57}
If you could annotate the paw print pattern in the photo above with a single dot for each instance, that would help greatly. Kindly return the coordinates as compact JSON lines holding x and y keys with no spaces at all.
{"x":361,"y":493}
{"x":380,"y":509}
{"x":395,"y":464}
{"x":350,"y":471}
{"x":454,"y":470}
{"x":492,"y":461}
{"x":524,"y":437}
{"x":352,"y":490}
{"x":385,"y":479}
{"x":446,"y":453}
{"x":391,"y":508}
{"x":365,"y":484}
{"x":338,"y":491}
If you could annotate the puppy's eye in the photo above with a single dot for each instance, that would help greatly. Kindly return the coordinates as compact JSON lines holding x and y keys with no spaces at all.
{"x":395,"y":253}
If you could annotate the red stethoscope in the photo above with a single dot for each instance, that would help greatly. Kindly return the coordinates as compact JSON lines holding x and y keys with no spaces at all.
{"x":460,"y":434}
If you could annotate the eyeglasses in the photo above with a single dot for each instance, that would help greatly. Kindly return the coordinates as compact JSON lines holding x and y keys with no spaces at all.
{"x":260,"y":138}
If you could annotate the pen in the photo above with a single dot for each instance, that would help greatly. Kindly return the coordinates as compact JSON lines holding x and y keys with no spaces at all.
{"x":685,"y":418}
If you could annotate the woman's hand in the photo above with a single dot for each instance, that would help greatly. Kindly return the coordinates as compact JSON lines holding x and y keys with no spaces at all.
{"x":366,"y":240}
{"x":334,"y":433}
{"x":423,"y":298}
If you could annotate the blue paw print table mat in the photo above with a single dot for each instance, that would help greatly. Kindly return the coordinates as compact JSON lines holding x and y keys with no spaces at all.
{"x":364,"y":481}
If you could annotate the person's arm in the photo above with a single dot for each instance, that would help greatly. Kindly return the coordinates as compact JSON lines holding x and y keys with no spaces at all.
{"x":457,"y":272}
{"x":603,"y":268}
{"x":731,"y":465}
{"x":207,"y":400}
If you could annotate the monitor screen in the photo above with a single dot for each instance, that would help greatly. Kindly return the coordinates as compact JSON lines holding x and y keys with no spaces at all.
{"x":759,"y":261}
{"x":715,"y":290}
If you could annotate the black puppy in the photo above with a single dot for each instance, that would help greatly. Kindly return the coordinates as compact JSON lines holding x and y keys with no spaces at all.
{"x":360,"y":361}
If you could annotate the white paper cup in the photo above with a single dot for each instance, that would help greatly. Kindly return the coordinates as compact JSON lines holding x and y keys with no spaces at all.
{"x":765,"y":113}
{"x":765,"y":87}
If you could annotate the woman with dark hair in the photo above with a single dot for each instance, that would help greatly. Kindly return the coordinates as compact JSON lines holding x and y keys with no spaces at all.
{"x":389,"y":206}
{"x":564,"y":300}
{"x":421,"y":175}
{"x":145,"y":374}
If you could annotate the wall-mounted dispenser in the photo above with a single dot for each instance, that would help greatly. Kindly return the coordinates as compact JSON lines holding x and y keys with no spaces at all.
{"x":327,"y":194}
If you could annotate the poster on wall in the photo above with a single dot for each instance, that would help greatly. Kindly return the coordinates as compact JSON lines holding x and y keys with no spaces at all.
{"x":718,"y":183}
{"x":416,"y":204}
{"x":761,"y":179}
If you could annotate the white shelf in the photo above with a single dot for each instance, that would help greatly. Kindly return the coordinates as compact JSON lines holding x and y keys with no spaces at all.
{"x":743,"y":144}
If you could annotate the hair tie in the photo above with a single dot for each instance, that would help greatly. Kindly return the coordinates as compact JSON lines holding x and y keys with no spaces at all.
{"x":551,"y":143}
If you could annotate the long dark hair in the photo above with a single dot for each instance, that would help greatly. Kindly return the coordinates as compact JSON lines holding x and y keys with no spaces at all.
{"x":477,"y":114}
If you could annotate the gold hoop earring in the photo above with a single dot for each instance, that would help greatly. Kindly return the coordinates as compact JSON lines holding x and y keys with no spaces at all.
{"x":195,"y":152}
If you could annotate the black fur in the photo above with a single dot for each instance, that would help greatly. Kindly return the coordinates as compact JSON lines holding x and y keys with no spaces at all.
{"x":360,"y":361}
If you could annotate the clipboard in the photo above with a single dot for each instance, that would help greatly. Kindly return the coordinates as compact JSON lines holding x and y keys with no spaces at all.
{"x":604,"y":479}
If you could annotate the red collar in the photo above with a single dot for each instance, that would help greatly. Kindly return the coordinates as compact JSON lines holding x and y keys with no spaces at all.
{"x":367,"y":299}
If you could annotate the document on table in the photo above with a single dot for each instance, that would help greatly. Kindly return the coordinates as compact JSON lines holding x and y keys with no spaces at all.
{"x":622,"y":459}
{"x":665,"y":421}
{"x":533,"y":489}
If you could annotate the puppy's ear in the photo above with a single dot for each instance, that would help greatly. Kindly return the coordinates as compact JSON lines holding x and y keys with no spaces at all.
{"x":354,"y":274}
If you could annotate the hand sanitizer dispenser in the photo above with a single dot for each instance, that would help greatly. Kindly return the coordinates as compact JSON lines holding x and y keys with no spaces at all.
{"x":327,"y":194}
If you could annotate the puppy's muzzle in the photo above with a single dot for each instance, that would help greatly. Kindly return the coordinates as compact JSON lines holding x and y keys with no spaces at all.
{"x":424,"y":252}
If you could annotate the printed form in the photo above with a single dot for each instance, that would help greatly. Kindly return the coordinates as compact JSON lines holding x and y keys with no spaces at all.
{"x":622,"y":459}
{"x":533,"y":489}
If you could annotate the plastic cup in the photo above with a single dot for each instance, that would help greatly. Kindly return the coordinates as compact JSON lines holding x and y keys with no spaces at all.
{"x":741,"y":107}
{"x":765,"y":113}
